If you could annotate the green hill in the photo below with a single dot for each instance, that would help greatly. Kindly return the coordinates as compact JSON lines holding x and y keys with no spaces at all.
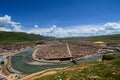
{"x":14,"y":37}
{"x":105,"y":38}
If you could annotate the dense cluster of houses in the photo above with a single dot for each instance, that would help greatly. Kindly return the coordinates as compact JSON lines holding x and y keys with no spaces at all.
{"x":11,"y":48}
{"x":82,"y":48}
{"x":52,"y":51}
{"x":110,"y":48}
{"x":59,"y":50}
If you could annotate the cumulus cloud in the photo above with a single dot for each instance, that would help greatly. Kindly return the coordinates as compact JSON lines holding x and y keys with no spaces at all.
{"x":6,"y":21}
{"x":36,"y":26}
{"x":4,"y":29}
{"x":55,"y":31}
{"x":78,"y":31}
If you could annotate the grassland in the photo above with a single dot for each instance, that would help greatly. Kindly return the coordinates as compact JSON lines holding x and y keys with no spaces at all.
{"x":24,"y":38}
{"x":20,"y":38}
{"x":105,"y":38}
{"x":102,"y":70}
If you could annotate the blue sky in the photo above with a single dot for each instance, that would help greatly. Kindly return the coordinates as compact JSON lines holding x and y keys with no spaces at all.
{"x":60,"y":18}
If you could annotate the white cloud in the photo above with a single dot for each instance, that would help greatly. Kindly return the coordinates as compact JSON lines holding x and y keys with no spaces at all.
{"x":4,"y":29}
{"x":17,"y":28}
{"x":36,"y":26}
{"x":6,"y":21}
{"x":71,"y":31}
{"x":78,"y":31}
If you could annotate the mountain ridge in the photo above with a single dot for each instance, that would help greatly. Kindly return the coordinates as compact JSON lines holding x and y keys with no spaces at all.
{"x":13,"y":37}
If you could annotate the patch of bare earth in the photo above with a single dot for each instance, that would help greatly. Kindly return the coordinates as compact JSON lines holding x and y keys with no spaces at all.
{"x":34,"y":76}
{"x":7,"y":77}
{"x":45,"y":74}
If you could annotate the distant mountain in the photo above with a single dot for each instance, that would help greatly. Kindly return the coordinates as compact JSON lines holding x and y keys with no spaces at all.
{"x":11,"y":37}
{"x":14,"y":37}
{"x":115,"y":38}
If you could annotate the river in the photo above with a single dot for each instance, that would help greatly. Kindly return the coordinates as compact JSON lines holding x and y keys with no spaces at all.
{"x":19,"y":62}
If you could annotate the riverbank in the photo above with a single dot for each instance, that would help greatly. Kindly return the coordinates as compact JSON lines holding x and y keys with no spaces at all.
{"x":20,"y":51}
{"x":46,"y":62}
{"x":8,"y":70}
{"x":34,"y":53}
{"x":9,"y":65}
{"x":34,"y":75}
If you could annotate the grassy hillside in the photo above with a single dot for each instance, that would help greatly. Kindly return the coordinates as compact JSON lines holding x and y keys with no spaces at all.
{"x":20,"y":37}
{"x":104,"y":70}
{"x":13,"y":37}
{"x":105,"y":38}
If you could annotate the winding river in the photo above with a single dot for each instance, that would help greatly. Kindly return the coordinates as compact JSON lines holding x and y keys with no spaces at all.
{"x":19,"y":62}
